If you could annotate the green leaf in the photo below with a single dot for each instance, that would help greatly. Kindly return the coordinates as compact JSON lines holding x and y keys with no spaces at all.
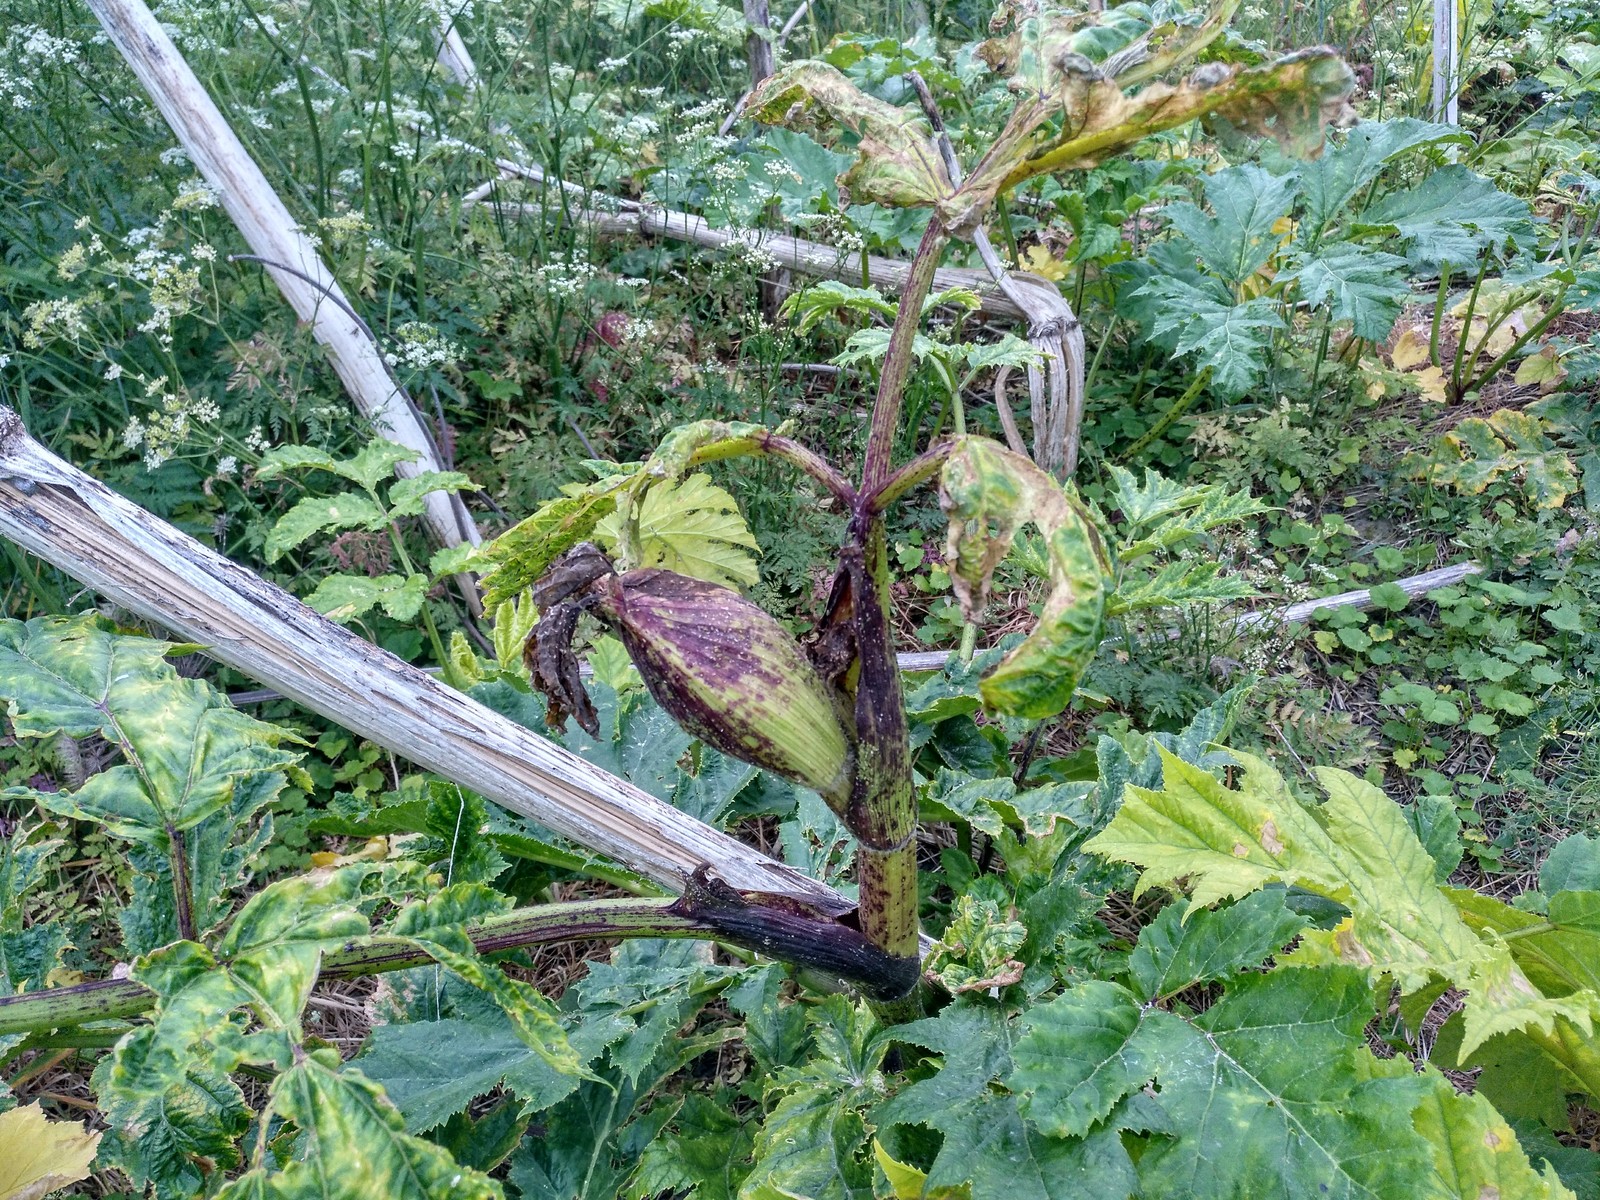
{"x":432,"y":1069}
{"x":517,"y":558}
{"x":1179,"y":583}
{"x":185,"y":749}
{"x":897,"y":162}
{"x":1084,"y":1051}
{"x":813,"y":1140}
{"x":1573,"y":864}
{"x":406,"y":496}
{"x":1274,"y":1096}
{"x":343,"y":598}
{"x":1213,"y":944}
{"x":315,"y":514}
{"x":692,"y":528}
{"x":1365,"y":287}
{"x":1331,"y":182}
{"x":987,"y":493}
{"x":353,"y":1145}
{"x":1232,"y":339}
{"x":1476,"y":1153}
{"x":1236,"y":238}
{"x":703,"y":1153}
{"x":1449,"y":218}
{"x":375,"y":462}
{"x":988,"y":1145}
{"x":1360,"y":853}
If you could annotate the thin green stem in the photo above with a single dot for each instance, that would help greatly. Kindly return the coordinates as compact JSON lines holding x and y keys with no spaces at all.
{"x":1439,"y":299}
{"x":1168,"y":418}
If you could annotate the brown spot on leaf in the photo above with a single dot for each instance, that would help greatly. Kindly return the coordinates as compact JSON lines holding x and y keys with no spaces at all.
{"x":1269,"y":838}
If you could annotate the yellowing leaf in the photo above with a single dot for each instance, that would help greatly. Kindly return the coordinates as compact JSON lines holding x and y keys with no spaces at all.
{"x":692,"y":528}
{"x":1543,"y":368}
{"x":1476,"y":1153}
{"x":988,"y":493}
{"x":1431,"y":384}
{"x":39,"y":1156}
{"x":908,"y":1183}
{"x":1038,"y":261}
{"x":1410,"y":350}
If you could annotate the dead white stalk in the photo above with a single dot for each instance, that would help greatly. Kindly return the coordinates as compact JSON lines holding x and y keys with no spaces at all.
{"x":275,"y":238}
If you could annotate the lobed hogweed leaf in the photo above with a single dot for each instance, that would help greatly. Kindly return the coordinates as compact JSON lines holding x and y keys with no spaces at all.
{"x":353,"y":1144}
{"x":1082,"y":1052}
{"x":1173,"y":954}
{"x":691,"y":527}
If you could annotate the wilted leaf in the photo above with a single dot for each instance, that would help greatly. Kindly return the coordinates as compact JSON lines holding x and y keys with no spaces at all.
{"x":1410,"y":350}
{"x":896,"y":162}
{"x":987,"y":492}
{"x":516,"y":559}
{"x":39,"y":1156}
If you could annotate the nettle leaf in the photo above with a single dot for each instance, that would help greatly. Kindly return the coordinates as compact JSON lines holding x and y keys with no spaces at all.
{"x":408,"y":497}
{"x":988,"y":492}
{"x":343,"y":598}
{"x":897,"y":161}
{"x":693,"y":528}
{"x":434,"y":1069}
{"x":185,"y":749}
{"x":1365,"y":287}
{"x":1331,"y":182}
{"x":353,"y":1144}
{"x":315,"y":514}
{"x":374,"y":463}
{"x":1214,"y":944}
{"x":1449,"y":218}
{"x":1236,"y":238}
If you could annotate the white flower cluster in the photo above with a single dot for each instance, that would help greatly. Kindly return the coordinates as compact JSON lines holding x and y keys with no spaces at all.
{"x":196,"y":195}
{"x":565,"y":280}
{"x":53,"y":320}
{"x":165,"y":432}
{"x":28,"y":49}
{"x":419,"y":346}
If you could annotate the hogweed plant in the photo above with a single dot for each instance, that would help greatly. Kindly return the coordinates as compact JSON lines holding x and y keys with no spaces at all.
{"x":831,"y":715}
